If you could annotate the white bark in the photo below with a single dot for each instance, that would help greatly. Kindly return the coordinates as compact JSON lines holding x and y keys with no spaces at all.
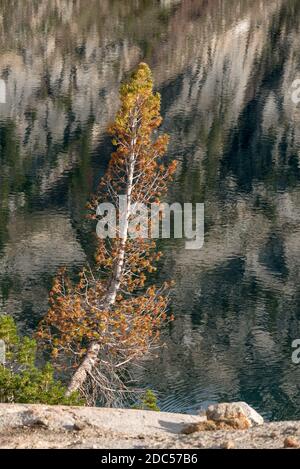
{"x":91,"y":358}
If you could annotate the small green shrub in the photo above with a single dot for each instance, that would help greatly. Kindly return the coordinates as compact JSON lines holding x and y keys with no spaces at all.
{"x":21,"y":381}
{"x":148,"y":401}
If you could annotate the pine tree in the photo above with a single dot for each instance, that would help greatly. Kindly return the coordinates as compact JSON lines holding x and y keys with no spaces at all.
{"x":109,"y":319}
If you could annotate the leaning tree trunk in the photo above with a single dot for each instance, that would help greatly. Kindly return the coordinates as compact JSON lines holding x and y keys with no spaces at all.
{"x":91,"y":358}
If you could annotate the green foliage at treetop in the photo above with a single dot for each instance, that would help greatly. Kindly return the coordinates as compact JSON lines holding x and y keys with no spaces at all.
{"x":21,"y":381}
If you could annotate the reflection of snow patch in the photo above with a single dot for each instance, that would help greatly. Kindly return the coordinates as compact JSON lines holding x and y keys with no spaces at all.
{"x":296,"y":92}
{"x":270,"y":113}
{"x":2,"y":352}
{"x":2,"y":92}
{"x":168,"y":3}
{"x":242,"y":27}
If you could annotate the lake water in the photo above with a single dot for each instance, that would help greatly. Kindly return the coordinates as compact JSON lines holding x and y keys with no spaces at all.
{"x":225,"y":70}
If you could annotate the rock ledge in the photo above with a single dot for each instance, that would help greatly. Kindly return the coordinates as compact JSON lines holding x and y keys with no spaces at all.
{"x":39,"y":426}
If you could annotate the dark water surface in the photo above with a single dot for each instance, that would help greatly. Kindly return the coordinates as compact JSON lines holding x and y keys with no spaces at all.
{"x":225,"y":69}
